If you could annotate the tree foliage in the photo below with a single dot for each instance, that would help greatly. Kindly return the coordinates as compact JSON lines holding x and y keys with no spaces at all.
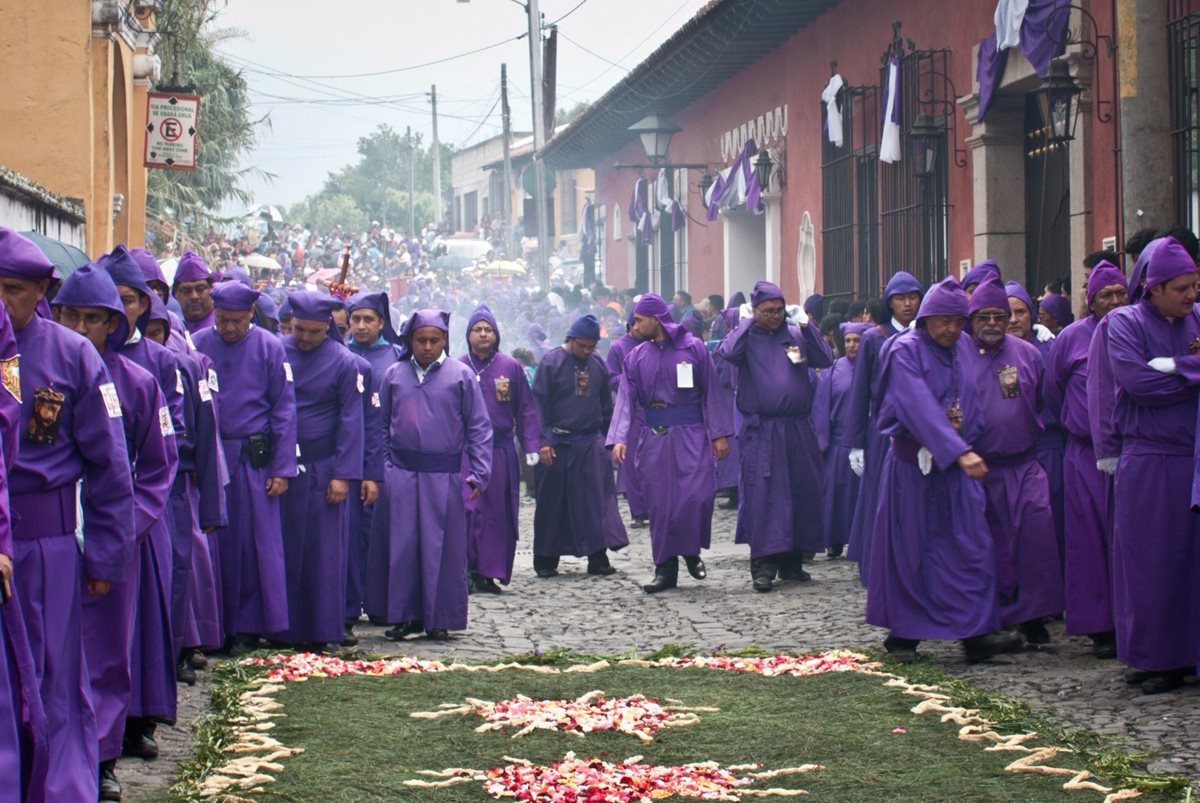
{"x":227,"y":128}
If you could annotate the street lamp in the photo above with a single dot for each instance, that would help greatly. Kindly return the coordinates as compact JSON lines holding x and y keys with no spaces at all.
{"x":925,"y":137}
{"x":656,"y":132}
{"x":1058,"y":103}
{"x":706,"y":182}
{"x":762,"y":169}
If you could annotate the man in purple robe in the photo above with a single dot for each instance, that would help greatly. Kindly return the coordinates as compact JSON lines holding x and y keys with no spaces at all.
{"x":780,"y":511}
{"x":436,"y":419}
{"x":193,"y":290}
{"x":577,"y":498}
{"x":1087,"y":583}
{"x":670,"y":379}
{"x":121,"y":651}
{"x":258,"y":432}
{"x":729,"y":470}
{"x":329,"y":431}
{"x":627,"y":482}
{"x":71,"y":429}
{"x":932,"y":571}
{"x":831,"y":411}
{"x":1007,"y":374}
{"x":972,"y":278}
{"x":492,"y":516}
{"x":1156,"y":537}
{"x":867,"y":446}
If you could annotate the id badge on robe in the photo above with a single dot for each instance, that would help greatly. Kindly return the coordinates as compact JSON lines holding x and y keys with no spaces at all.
{"x":1010,"y":384}
{"x":582,"y":381}
{"x":503,"y":393}
{"x":683,"y":376}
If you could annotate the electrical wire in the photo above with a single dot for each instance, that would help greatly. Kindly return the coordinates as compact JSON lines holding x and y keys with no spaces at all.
{"x":569,"y":13}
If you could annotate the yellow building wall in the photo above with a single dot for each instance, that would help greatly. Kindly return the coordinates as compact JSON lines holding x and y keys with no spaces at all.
{"x":71,"y":119}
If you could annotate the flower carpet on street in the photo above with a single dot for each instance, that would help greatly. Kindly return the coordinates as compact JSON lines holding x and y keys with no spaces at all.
{"x":831,"y":726}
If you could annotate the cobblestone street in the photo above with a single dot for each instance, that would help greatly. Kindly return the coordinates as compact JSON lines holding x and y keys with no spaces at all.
{"x":612,"y":615}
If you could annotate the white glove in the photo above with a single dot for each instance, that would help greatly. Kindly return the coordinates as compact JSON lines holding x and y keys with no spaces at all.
{"x":745,"y":311}
{"x":796,"y":315}
{"x":531,"y":459}
{"x":1043,"y":334}
{"x":1164,"y":364}
{"x":1107,"y":464}
{"x":925,"y":460}
{"x":857,"y":465}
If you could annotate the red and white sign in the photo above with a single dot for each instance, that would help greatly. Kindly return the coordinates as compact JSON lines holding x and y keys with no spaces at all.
{"x":171,"y":121}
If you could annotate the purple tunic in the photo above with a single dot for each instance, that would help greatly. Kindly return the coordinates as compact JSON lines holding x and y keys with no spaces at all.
{"x":201,"y":324}
{"x":932,"y":571}
{"x":627,"y":482}
{"x":256,"y":397}
{"x":576,"y":510}
{"x":1102,"y":395}
{"x":492,"y":518}
{"x":417,"y":565}
{"x":88,"y":442}
{"x":780,"y":501}
{"x":329,"y":429}
{"x":1156,"y":537}
{"x":1087,"y":582}
{"x":862,"y":433}
{"x":1051,"y":448}
{"x":831,"y":411}
{"x":675,"y":441}
{"x":379,"y":357}
{"x":1008,"y":386}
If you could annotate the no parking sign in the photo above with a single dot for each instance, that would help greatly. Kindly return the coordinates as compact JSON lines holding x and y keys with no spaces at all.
{"x":171,"y":130}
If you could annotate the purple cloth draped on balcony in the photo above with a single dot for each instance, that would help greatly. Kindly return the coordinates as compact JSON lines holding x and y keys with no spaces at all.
{"x":1043,"y":37}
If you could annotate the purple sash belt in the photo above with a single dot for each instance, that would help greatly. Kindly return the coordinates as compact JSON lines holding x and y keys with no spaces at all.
{"x":502,"y":440}
{"x":566,"y":436}
{"x":317,"y":448}
{"x":905,"y":448}
{"x":675,"y":415}
{"x":427,"y":462}
{"x":44,"y":514}
{"x":1006,"y":460}
{"x":1141,"y":446}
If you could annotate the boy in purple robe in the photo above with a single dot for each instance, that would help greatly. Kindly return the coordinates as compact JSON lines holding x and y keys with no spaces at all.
{"x":1156,"y":537}
{"x":932,"y":571}
{"x":436,"y":421}
{"x":1087,"y":583}
{"x":71,"y":429}
{"x":122,"y":651}
{"x":329,"y":430}
{"x":258,"y":431}
{"x":780,"y":511}
{"x":577,"y":498}
{"x":627,"y":482}
{"x":193,"y":290}
{"x":867,"y":446}
{"x":669,"y":377}
{"x":492,"y":516}
{"x":374,"y":340}
{"x":1007,"y":374}
{"x":831,"y":411}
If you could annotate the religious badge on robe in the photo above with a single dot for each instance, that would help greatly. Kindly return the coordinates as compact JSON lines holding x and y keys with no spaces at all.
{"x":10,"y":376}
{"x":503,"y":392}
{"x":43,"y":424}
{"x":1193,"y":348}
{"x":1010,"y":382}
{"x":583,"y":379}
{"x":954,"y":414}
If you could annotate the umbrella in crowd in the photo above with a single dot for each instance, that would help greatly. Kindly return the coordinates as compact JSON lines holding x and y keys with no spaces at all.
{"x":262,"y":261}
{"x":65,"y":257}
{"x":453,"y":262}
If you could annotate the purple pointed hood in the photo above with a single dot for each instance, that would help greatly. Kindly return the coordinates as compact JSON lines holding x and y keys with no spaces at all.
{"x":91,"y":286}
{"x":944,"y":298}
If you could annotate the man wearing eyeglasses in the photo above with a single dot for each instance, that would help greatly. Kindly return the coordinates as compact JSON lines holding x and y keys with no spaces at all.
{"x":192,"y":288}
{"x":1007,"y":373}
{"x":780,"y":516}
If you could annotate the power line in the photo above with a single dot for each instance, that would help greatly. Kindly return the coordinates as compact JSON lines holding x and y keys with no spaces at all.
{"x":569,"y":13}
{"x":592,"y":52}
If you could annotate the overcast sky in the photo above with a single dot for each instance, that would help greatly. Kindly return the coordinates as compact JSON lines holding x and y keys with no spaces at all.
{"x":297,"y":55}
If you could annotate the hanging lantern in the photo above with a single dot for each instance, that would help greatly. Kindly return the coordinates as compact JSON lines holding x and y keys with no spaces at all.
{"x":1058,"y":103}
{"x":925,"y":139}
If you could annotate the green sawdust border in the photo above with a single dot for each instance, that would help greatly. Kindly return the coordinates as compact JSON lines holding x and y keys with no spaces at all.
{"x":1102,"y":755}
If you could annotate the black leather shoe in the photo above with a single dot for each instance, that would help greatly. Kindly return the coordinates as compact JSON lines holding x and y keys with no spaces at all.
{"x":348,"y":637}
{"x":662,"y":581}
{"x":762,"y":583}
{"x":603,"y":570}
{"x":243,"y":644}
{"x":184,"y":672}
{"x":1035,"y":632}
{"x":640,"y":521}
{"x":546,"y":574}
{"x":139,"y":739}
{"x":834,"y":552}
{"x":730,"y":503}
{"x":110,"y":788}
{"x":799,"y":575}
{"x":198,"y":660}
{"x":901,"y":649}
{"x":695,"y":566}
{"x":1163,"y":682}
{"x":487,"y":585}
{"x":438,"y":634}
{"x":985,"y":647}
{"x":403,"y":631}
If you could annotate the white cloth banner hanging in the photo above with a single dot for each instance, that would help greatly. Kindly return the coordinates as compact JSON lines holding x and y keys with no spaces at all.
{"x":1009,"y":16}
{"x":889,"y":145}
{"x":833,"y":115}
{"x":806,"y":258}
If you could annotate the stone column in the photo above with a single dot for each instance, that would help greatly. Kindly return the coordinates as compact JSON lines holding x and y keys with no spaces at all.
{"x":998,"y":167}
{"x":1146,"y":164}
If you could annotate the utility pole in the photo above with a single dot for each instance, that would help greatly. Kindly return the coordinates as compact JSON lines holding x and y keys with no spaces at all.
{"x":412,"y":212}
{"x":437,"y":163}
{"x":539,"y":140}
{"x":506,"y":201}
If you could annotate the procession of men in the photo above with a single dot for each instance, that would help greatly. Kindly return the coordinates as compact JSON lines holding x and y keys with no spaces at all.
{"x":180,"y":479}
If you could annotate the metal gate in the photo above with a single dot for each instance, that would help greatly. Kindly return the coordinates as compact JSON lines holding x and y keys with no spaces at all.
{"x":1183,"y":52}
{"x":849,"y":197}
